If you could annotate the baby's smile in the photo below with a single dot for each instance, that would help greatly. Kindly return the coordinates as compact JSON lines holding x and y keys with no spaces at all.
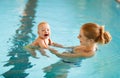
{"x":46,"y":35}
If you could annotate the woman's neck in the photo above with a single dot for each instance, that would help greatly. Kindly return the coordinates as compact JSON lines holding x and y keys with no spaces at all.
{"x":92,"y":46}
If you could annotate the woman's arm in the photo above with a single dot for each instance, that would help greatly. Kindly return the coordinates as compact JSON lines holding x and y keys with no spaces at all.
{"x":61,"y":46}
{"x":70,"y":55}
{"x":64,"y":54}
{"x":42,"y":51}
{"x":57,"y":45}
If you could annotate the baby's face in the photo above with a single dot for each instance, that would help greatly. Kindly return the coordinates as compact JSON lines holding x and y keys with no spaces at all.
{"x":44,"y":31}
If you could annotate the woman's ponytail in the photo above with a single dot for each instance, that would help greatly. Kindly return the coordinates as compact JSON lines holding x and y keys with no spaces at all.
{"x":104,"y":36}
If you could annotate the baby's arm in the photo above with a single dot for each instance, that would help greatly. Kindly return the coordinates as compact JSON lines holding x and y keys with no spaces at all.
{"x":42,"y":45}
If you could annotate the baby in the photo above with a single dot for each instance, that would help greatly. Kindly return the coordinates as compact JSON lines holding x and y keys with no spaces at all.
{"x":90,"y":35}
{"x":43,"y":40}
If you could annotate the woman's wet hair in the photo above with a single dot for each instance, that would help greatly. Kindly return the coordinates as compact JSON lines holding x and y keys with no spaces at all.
{"x":96,"y":32}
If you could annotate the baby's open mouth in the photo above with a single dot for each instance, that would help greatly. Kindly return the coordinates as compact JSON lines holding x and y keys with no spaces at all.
{"x":46,"y":35}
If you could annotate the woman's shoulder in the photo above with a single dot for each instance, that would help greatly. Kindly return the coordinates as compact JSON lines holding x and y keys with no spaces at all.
{"x":82,"y":49}
{"x":78,"y":49}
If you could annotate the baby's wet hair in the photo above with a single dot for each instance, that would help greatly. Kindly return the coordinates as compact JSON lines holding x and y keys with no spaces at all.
{"x":42,"y":23}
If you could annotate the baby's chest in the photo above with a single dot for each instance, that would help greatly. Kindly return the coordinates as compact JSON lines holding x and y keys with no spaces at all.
{"x":46,"y":42}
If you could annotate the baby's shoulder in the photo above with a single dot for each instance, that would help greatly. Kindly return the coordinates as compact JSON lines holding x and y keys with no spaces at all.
{"x":36,"y":41}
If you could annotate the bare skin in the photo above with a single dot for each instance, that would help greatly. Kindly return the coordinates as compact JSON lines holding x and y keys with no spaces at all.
{"x":118,"y":1}
{"x":90,"y":35}
{"x":43,"y":41}
{"x":86,"y":49}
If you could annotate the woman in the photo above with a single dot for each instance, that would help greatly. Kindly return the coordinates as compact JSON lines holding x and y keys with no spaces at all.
{"x":90,"y":35}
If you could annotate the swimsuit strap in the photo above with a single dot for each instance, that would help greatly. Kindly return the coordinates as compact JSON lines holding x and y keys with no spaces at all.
{"x":91,"y":50}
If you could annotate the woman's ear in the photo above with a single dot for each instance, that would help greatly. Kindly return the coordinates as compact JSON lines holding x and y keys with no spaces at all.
{"x":91,"y":41}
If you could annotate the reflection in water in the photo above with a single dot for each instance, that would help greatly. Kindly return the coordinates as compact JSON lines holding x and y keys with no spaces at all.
{"x":61,"y":68}
{"x":18,"y":56}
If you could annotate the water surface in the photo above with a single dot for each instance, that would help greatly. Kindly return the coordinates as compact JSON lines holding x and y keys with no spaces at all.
{"x":19,"y":20}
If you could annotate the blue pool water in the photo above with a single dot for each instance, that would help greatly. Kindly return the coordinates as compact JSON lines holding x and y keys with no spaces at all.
{"x":18,"y":27}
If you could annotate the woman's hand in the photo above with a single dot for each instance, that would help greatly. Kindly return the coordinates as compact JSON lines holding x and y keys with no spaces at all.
{"x":53,"y":50}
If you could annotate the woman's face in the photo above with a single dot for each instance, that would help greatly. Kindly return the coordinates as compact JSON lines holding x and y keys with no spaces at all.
{"x":44,"y":31}
{"x":83,"y":39}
